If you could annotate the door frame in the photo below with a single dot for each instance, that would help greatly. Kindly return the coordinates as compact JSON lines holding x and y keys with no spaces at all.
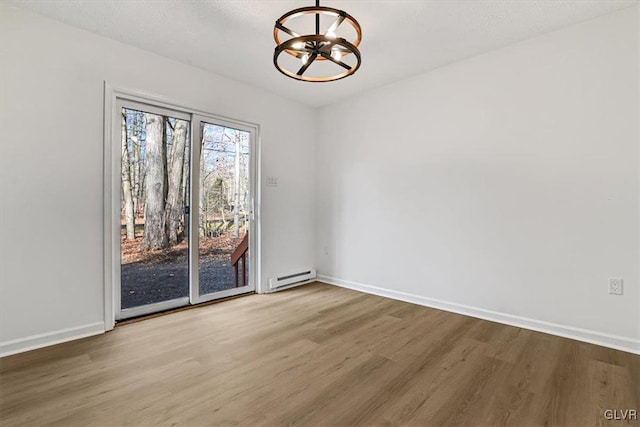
{"x":111,"y":187}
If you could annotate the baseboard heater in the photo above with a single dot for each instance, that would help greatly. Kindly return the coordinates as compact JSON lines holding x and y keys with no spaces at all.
{"x":276,"y":283}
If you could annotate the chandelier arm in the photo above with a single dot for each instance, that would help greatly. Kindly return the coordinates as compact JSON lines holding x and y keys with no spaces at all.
{"x":286,"y":30}
{"x":307,"y":65}
{"x":335,"y":61}
{"x":336,"y":23}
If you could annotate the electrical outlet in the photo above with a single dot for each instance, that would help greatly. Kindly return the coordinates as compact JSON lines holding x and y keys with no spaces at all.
{"x":272,"y":181}
{"x":615,"y":286}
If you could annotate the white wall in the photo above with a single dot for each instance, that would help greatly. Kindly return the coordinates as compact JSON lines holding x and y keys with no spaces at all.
{"x":51,"y":104}
{"x":505,"y":185}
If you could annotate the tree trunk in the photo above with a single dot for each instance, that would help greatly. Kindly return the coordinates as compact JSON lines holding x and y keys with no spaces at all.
{"x":223,"y":191}
{"x":126,"y":184}
{"x":224,"y":220}
{"x":202,"y":209}
{"x":155,"y":235}
{"x":137,"y":175}
{"x":174,"y":208}
{"x":185,"y":186}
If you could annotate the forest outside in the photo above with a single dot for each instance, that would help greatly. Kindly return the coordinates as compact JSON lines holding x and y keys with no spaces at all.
{"x":155,"y":189}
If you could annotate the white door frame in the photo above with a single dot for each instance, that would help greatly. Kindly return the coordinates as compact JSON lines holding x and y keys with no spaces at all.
{"x":111,"y":184}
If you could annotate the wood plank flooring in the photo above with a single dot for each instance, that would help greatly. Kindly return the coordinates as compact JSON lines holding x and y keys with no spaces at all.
{"x":318,"y":355}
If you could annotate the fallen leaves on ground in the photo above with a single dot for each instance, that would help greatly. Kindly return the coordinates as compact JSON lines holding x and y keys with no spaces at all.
{"x":210,"y":247}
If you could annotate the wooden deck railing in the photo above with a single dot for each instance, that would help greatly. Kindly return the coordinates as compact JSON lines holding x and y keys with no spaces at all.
{"x":240,"y":254}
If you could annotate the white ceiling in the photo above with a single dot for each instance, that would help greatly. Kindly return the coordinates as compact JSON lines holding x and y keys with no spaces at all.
{"x":400,"y":38}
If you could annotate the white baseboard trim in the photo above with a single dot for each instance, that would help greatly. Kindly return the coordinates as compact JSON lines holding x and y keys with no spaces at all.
{"x":593,"y":337}
{"x":33,"y":342}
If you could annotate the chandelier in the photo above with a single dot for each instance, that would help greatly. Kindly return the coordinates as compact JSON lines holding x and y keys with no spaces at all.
{"x":322,"y":56}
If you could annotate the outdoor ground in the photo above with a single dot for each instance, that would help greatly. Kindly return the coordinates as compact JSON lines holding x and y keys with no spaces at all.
{"x":154,"y":276}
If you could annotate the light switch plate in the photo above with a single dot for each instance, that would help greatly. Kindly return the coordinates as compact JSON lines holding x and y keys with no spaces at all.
{"x":615,"y":286}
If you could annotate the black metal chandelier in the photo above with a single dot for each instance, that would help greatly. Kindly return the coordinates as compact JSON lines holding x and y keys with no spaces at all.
{"x":321,"y":56}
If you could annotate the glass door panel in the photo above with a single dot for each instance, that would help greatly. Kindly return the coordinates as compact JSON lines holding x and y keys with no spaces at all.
{"x":225,"y":210}
{"x":154,"y":194}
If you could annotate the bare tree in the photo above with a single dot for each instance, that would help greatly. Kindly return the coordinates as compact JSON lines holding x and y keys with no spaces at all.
{"x":155,"y":235}
{"x":136,"y":164}
{"x":174,"y":207}
{"x":126,"y":182}
{"x":244,"y":181}
{"x":202,"y":217}
{"x":185,"y":184}
{"x":221,"y":201}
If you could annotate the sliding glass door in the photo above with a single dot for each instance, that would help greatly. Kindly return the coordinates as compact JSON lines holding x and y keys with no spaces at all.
{"x":154,"y":194}
{"x":186,"y":207}
{"x":223,"y":195}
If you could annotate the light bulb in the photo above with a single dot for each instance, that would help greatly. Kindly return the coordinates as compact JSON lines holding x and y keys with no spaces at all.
{"x":304,"y":58}
{"x":330,"y":35}
{"x":298,"y":45}
{"x":335,"y":54}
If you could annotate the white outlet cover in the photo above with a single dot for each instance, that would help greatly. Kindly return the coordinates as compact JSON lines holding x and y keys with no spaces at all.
{"x":272,"y":181}
{"x":615,"y":286}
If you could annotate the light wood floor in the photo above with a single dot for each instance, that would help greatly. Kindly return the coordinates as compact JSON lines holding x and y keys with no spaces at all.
{"x":318,"y":355}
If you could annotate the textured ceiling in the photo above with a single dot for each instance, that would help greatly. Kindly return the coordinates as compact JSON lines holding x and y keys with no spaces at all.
{"x":400,"y":38}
